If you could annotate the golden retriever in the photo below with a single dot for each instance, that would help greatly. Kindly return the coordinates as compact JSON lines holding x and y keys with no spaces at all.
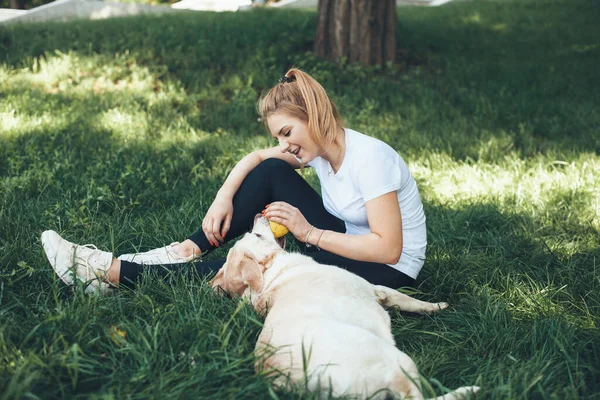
{"x":325,"y":327}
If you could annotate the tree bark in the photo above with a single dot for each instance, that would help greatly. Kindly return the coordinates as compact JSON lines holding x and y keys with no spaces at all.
{"x":363,"y":31}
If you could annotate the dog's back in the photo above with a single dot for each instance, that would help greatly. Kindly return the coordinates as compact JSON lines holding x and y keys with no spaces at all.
{"x":330,"y":331}
{"x":308,"y":289}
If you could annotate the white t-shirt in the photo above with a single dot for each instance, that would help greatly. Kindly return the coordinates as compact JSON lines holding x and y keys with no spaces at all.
{"x":370,"y":169}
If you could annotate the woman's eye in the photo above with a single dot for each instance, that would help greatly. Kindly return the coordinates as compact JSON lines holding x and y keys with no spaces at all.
{"x":288,"y":133}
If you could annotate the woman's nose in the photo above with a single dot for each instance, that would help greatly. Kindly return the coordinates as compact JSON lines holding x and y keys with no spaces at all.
{"x":284,"y":146}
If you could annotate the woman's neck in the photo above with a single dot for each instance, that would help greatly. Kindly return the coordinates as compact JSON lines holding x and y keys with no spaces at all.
{"x":335,"y":153}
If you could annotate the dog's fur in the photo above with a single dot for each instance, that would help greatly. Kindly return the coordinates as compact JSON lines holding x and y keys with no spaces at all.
{"x":324,"y":327}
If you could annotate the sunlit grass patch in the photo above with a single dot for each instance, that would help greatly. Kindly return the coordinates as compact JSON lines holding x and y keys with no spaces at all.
{"x":114,"y":94}
{"x":474,"y":18}
{"x":541,"y":186}
{"x":529,"y":298}
{"x":58,"y":72}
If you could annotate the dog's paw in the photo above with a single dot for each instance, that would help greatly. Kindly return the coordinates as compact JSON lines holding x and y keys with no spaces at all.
{"x":466,"y":392}
{"x":430,"y":308}
{"x":434,"y":307}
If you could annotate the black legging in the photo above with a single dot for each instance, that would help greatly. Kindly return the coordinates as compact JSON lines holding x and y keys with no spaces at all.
{"x":275,"y":180}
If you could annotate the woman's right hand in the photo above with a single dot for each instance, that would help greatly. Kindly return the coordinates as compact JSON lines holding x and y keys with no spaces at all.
{"x":217,"y":220}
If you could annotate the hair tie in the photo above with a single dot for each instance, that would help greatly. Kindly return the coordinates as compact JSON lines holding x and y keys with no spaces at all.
{"x":285,"y":79}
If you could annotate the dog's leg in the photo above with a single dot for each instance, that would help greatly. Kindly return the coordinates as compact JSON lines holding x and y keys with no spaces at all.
{"x":392,"y":298}
{"x":462,"y":393}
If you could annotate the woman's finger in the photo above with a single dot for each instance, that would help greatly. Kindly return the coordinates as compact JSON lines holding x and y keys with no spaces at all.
{"x":270,"y":214}
{"x":285,"y":207}
{"x":226,"y":225}
{"x":278,"y":205}
{"x":207,"y":229}
{"x":215,"y":231}
{"x":281,"y":221}
{"x":205,"y":225}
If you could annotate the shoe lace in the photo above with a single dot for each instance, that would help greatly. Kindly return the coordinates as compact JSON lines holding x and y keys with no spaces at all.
{"x":90,"y":274}
{"x":173,"y":254}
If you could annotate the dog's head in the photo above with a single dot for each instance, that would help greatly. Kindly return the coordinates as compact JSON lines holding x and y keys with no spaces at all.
{"x":248,"y":259}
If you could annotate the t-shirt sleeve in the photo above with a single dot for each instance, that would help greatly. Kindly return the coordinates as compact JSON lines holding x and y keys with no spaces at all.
{"x":377,"y":175}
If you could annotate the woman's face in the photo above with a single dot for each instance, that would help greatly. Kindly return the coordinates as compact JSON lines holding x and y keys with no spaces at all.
{"x":293,"y":136}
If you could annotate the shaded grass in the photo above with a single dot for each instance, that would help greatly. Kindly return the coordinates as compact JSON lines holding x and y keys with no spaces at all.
{"x":120,"y":132}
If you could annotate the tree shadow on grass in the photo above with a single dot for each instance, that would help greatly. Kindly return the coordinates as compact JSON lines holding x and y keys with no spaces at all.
{"x":473,"y":96}
{"x":515,"y":66}
{"x":196,"y":48}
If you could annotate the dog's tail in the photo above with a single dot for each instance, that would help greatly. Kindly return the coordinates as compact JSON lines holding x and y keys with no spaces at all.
{"x":462,"y":393}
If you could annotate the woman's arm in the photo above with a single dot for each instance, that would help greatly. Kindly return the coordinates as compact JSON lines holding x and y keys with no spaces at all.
{"x":216,"y":222}
{"x":248,"y":163}
{"x":384,"y":243}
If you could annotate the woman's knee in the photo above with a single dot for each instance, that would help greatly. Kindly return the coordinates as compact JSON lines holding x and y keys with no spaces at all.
{"x":273,"y":169}
{"x":272,"y":165}
{"x":268,"y":173}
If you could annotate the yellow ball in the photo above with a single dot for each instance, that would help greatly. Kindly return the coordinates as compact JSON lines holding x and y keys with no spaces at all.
{"x":278,"y":229}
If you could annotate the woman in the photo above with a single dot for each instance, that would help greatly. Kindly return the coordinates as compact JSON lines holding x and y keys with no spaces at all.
{"x":369,"y":221}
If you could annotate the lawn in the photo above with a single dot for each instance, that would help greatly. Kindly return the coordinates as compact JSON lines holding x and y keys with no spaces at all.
{"x":119,"y":133}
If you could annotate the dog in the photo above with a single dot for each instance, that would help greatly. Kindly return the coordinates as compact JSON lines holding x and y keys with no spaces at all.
{"x":325,"y":327}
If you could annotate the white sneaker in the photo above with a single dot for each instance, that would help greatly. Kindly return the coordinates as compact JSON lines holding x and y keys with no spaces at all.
{"x":89,"y":263}
{"x":161,"y":256}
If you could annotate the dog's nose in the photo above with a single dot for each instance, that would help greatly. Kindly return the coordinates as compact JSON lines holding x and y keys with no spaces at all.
{"x":257,"y":217}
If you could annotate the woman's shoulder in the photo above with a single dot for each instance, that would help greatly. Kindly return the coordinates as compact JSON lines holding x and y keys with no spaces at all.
{"x":365,"y":146}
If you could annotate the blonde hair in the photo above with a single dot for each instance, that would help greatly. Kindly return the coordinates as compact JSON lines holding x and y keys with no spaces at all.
{"x":301,"y":96}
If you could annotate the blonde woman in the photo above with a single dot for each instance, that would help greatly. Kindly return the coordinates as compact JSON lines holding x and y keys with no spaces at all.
{"x":369,"y":219}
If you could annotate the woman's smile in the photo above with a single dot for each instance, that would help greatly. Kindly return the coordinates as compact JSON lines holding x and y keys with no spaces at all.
{"x":293,"y":137}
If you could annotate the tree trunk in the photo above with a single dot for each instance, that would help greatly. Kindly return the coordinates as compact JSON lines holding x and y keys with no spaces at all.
{"x":363,"y":31}
{"x":15,"y":4}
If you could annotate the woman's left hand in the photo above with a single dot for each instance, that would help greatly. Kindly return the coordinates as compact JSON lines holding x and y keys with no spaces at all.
{"x":290,"y":217}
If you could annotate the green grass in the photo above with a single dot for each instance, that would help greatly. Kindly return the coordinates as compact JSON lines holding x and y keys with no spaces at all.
{"x":119,"y":133}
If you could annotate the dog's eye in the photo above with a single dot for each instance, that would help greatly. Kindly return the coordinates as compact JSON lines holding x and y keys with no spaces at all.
{"x":258,"y":235}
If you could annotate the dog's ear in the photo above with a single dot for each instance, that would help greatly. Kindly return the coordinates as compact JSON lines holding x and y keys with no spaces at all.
{"x":252,"y":274}
{"x":248,"y":268}
{"x":217,"y":281}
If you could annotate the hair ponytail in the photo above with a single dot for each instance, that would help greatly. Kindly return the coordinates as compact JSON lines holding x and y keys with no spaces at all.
{"x":301,"y":96}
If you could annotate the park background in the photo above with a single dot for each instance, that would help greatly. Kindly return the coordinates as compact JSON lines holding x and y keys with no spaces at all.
{"x":119,"y":133}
